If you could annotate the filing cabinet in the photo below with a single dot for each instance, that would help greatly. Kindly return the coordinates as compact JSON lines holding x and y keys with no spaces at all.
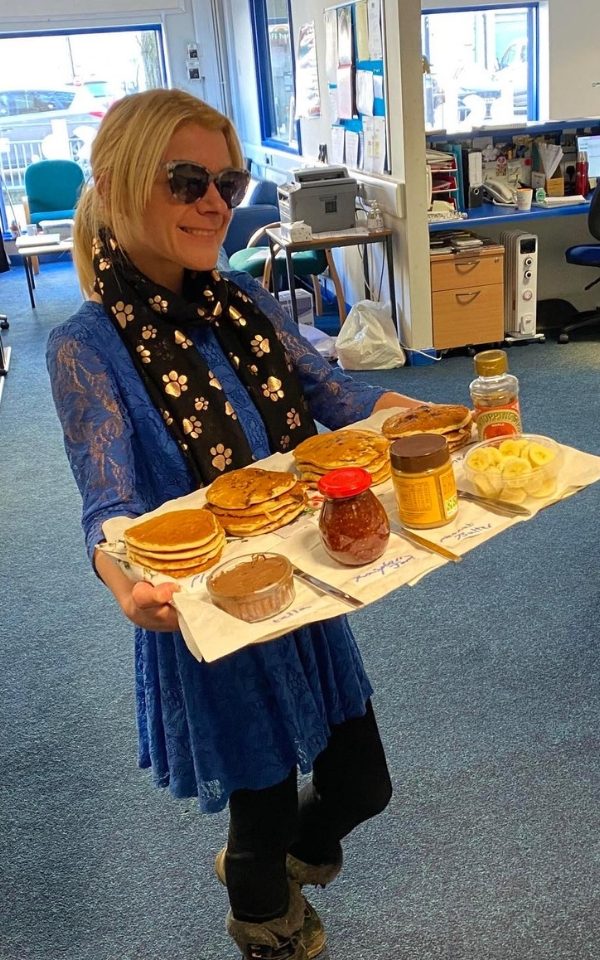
{"x":467,"y":293}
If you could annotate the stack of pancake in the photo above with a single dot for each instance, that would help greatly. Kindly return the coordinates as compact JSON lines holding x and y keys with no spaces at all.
{"x":317,"y":455}
{"x":178,"y":543}
{"x":451,"y":421}
{"x":251,"y":501}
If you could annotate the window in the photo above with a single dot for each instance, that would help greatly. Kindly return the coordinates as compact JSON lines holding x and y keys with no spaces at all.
{"x":489,"y":75}
{"x":274,"y":56}
{"x":55,"y":86}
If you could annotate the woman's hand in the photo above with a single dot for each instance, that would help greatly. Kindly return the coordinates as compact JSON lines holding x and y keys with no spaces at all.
{"x":396,"y":400}
{"x":146,"y":604}
{"x":149,"y":606}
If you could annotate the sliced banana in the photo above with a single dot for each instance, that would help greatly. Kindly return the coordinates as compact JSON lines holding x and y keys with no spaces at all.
{"x":547,"y":489}
{"x":540,"y":455}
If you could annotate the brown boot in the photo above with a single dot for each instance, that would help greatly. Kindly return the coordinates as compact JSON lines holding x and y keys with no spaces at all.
{"x":313,"y":931}
{"x":278,"y":939}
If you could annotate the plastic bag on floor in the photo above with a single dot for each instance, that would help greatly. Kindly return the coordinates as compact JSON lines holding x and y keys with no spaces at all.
{"x":368,"y":339}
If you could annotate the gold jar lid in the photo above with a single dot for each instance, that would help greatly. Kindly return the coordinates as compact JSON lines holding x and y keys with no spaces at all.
{"x":420,"y":451}
{"x":490,"y":363}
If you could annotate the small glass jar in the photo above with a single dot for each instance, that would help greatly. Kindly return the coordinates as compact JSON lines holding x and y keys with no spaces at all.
{"x":253,"y":587}
{"x":353,"y":524}
{"x":424,"y":481}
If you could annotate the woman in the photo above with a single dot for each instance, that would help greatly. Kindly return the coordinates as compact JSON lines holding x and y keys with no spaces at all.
{"x":162,"y":382}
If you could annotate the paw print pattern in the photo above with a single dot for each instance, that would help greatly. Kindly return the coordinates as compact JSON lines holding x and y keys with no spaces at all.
{"x":176,"y":383}
{"x":229,"y":411}
{"x":221,"y":456}
{"x":260,"y":345}
{"x":181,"y":340}
{"x":272,"y":389}
{"x":237,"y":318}
{"x":148,"y":332}
{"x":253,"y":368}
{"x":200,"y":403}
{"x":96,"y":248}
{"x":218,"y":309}
{"x":123,"y":313}
{"x":293,"y":418}
{"x":192,"y":427}
{"x":104,"y":263}
{"x":144,"y":353}
{"x":158,"y":304}
{"x":284,"y":441}
{"x":214,"y":381}
{"x":235,"y":360}
{"x":167,"y":417}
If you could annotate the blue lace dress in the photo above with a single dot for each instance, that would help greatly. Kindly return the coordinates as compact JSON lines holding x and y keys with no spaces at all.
{"x":206,"y":729}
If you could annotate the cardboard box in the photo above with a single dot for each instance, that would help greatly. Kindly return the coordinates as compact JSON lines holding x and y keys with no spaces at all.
{"x":304,"y":303}
{"x":554,"y":187}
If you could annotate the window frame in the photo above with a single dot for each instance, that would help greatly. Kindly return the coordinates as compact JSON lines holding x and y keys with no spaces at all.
{"x":264,"y":77}
{"x":532,"y":8}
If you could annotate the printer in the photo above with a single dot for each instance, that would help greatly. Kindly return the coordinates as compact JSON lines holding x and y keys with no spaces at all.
{"x":324,"y":197}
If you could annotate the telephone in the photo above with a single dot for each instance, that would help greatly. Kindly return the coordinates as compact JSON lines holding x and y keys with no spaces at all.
{"x":498,"y":191}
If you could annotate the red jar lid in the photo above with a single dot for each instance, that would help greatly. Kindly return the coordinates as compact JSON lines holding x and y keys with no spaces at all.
{"x":345,"y":482}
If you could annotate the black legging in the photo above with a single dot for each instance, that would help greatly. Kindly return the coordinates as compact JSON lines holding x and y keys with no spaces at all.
{"x":350,"y":784}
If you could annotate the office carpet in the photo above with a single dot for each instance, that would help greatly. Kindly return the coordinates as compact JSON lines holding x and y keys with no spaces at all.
{"x":487,"y":692}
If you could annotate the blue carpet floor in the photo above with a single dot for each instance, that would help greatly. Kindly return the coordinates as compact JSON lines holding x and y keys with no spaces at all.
{"x":487,"y":691}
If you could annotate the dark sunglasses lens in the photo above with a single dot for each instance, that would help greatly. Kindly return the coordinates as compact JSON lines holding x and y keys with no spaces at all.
{"x":189,"y":183}
{"x":232,"y":185}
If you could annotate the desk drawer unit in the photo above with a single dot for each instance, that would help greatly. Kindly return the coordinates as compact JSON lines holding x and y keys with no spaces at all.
{"x":467,"y":293}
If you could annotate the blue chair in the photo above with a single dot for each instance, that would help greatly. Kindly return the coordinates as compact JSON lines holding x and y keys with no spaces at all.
{"x":52,"y":188}
{"x":586,"y":255}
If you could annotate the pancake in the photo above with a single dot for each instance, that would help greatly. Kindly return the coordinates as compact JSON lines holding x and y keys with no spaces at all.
{"x":173,"y":531}
{"x":438,"y":418}
{"x":250,"y":527}
{"x":239,"y":489}
{"x":341,"y":448}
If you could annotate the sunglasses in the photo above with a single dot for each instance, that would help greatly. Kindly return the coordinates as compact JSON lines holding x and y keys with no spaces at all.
{"x":190,"y":181}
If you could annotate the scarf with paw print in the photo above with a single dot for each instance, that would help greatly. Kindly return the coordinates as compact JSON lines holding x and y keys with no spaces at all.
{"x":155,"y":325}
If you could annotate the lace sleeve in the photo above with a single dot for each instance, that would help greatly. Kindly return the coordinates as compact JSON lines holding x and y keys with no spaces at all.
{"x":96,"y":433}
{"x":334,"y":398}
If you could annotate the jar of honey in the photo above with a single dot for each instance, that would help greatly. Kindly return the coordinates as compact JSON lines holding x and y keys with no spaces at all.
{"x":424,"y":481}
{"x":353,"y":524}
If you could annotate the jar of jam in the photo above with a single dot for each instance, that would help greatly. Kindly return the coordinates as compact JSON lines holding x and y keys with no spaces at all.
{"x":353,"y":524}
{"x":424,"y":481}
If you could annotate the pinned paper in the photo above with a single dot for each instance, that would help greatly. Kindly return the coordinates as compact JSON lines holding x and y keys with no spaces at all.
{"x":550,"y":155}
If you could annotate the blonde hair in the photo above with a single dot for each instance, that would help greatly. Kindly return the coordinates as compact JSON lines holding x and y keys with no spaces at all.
{"x":125,"y":160}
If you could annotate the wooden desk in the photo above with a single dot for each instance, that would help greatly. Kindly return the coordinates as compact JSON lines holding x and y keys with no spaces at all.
{"x":327,"y":241}
{"x":29,"y":251}
{"x":467,"y":297}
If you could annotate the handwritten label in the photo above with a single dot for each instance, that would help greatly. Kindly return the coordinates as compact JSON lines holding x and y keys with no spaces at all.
{"x":388,"y":566}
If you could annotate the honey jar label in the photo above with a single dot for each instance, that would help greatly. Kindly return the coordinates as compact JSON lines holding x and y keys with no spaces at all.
{"x":502,"y":421}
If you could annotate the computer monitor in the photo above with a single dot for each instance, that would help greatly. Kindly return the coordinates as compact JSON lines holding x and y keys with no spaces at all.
{"x":591,"y":146}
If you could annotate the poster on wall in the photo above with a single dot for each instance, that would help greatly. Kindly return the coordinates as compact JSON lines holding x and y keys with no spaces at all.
{"x":331,"y":51}
{"x":375,"y":38}
{"x":308,"y":98}
{"x":361,"y":26}
{"x":344,"y":32}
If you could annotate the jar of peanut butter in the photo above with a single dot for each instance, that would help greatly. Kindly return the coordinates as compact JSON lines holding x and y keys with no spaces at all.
{"x":424,"y":481}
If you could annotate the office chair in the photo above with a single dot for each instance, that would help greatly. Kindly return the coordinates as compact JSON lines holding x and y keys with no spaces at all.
{"x":586,"y":255}
{"x":52,"y":188}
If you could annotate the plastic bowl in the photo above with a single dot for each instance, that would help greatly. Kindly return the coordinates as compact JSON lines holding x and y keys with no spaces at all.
{"x":253,"y":587}
{"x":514,"y":468}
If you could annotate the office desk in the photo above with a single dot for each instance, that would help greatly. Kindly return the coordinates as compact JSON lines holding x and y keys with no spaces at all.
{"x":29,"y":251}
{"x":326,"y":241}
{"x":489,"y":214}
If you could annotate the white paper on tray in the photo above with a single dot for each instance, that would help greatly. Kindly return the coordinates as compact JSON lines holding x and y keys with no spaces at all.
{"x":210,"y":633}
